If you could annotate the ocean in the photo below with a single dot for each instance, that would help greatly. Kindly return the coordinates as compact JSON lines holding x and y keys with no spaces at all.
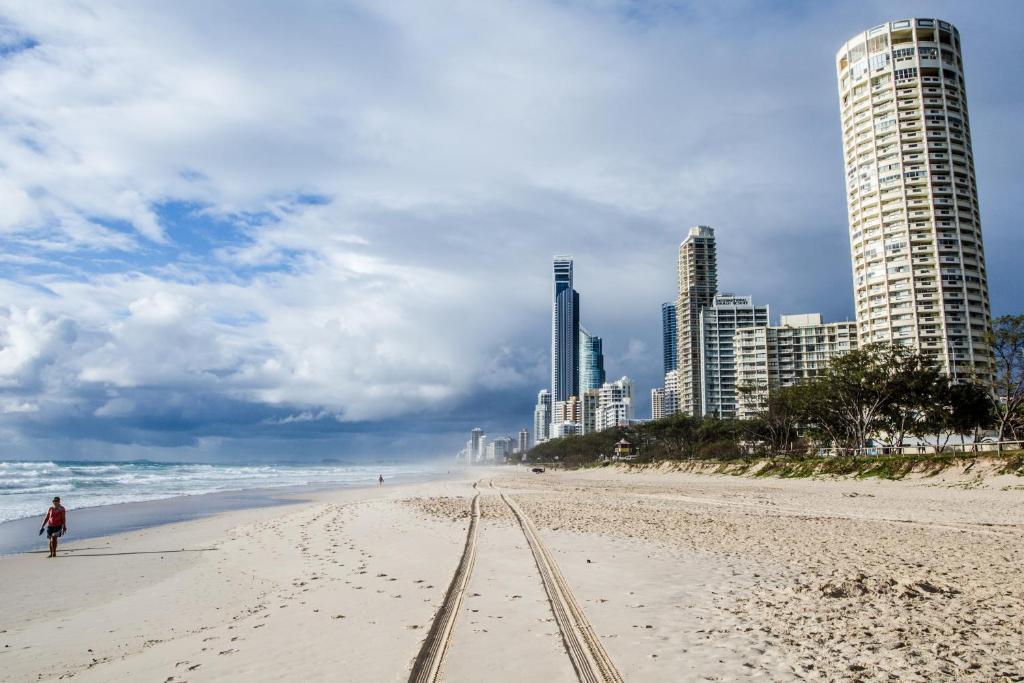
{"x":26,"y":488}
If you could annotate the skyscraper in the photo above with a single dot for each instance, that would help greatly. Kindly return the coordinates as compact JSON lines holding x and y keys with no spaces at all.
{"x":915,"y":235}
{"x":542,"y":416}
{"x":590,"y":402}
{"x":718,"y":325}
{"x":669,"y":338}
{"x":476,"y":445}
{"x":657,"y":403}
{"x":591,"y":361}
{"x":698,"y":282}
{"x":565,"y":332}
{"x":524,"y":440}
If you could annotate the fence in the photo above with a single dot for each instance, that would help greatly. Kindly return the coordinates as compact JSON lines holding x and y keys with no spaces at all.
{"x":950,"y":448}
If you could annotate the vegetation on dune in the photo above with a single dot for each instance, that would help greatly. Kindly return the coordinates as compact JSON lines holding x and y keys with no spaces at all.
{"x":1014,"y":464}
{"x":885,"y":467}
{"x":866,"y":402}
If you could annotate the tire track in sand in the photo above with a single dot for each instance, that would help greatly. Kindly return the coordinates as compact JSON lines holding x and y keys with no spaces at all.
{"x":582,"y":644}
{"x":429,"y":663}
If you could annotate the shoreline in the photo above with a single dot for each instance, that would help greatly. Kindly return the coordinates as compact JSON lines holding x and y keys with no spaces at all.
{"x":21,"y":535}
{"x":133,"y":604}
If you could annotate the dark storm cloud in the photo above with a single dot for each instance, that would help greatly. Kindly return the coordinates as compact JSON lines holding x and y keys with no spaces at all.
{"x":293,"y":230}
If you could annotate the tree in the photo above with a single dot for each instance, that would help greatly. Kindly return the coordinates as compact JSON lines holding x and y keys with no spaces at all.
{"x":878,"y":388}
{"x":932,"y":412}
{"x":862,"y":385}
{"x":778,"y":425}
{"x":971,"y":410}
{"x":678,"y":434}
{"x":1007,"y":342}
{"x":820,"y":416}
{"x":920,"y":400}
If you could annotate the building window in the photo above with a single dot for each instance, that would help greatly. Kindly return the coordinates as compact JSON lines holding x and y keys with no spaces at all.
{"x":902,"y":74}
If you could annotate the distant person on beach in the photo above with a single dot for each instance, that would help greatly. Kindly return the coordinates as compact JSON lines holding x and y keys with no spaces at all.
{"x":55,"y":523}
{"x":380,"y":480}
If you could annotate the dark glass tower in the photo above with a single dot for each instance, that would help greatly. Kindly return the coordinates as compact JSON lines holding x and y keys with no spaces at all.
{"x":591,"y":361}
{"x":669,"y":337}
{"x":565,"y":333}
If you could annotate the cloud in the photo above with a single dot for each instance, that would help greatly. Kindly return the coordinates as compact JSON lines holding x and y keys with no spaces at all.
{"x":225,"y":227}
{"x":30,"y":342}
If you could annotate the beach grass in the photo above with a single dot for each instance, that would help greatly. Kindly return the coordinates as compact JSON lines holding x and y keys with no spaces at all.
{"x":893,"y":467}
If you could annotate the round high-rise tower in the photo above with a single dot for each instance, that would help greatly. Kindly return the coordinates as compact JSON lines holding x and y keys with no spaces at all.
{"x":915,"y":236}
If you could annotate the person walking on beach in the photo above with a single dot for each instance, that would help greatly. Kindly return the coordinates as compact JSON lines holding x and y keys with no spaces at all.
{"x":55,"y":523}
{"x":380,"y":480}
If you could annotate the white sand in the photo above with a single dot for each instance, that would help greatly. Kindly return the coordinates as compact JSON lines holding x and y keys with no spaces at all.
{"x":690,"y":577}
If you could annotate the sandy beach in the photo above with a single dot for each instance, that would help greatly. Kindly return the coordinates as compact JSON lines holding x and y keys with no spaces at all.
{"x":647,"y":576}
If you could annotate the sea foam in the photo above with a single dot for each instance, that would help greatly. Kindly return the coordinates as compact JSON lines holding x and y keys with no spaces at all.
{"x":26,"y":488}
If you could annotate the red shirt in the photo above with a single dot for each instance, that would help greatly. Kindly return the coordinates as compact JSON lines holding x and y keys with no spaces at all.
{"x":55,"y":516}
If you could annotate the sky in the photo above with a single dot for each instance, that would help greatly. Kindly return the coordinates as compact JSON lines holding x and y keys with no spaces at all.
{"x":310,"y":229}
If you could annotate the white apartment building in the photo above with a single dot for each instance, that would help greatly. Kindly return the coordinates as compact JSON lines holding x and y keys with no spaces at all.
{"x":718,"y":325}
{"x":665,"y":400}
{"x":771,"y":357}
{"x":915,"y":234}
{"x":698,"y":283}
{"x":615,"y":404}
{"x":657,"y":403}
{"x":560,"y":429}
{"x":566,"y":412}
{"x":542,"y":416}
{"x":671,"y":401}
{"x":590,"y":402}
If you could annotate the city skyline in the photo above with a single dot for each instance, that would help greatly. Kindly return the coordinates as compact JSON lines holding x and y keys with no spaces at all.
{"x":917,"y":252}
{"x":310,"y":262}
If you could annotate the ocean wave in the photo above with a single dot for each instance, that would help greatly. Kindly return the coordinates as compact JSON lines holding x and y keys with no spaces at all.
{"x":27,"y":465}
{"x":26,"y":487}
